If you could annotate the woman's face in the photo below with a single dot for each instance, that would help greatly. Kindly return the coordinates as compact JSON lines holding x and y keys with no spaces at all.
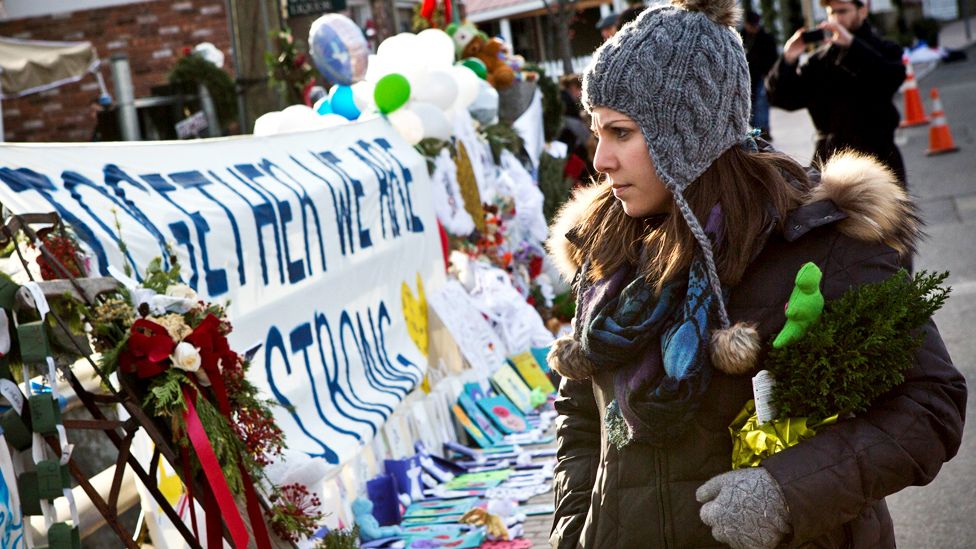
{"x":622,"y":155}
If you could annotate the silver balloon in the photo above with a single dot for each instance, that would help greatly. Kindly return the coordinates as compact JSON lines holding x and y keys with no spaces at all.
{"x":484,"y":109}
{"x":338,"y":48}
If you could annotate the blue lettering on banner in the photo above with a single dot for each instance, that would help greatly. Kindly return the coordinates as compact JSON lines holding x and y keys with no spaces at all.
{"x":383,"y":362}
{"x":414,"y":222}
{"x":391,"y":184}
{"x":274,"y":342}
{"x":113,"y":178}
{"x":198,"y":181}
{"x":24,"y":179}
{"x":72,"y":180}
{"x":264,"y":215}
{"x":384,"y":314}
{"x":296,"y":269}
{"x":335,"y":389}
{"x":216,"y":278}
{"x":345,"y":321}
{"x":370,"y":362}
{"x":343,"y":203}
{"x":305,"y":203}
{"x":373,"y":356}
{"x":301,"y":339}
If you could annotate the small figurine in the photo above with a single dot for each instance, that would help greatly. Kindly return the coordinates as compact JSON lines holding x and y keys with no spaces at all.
{"x":804,"y":307}
{"x":369,"y":527}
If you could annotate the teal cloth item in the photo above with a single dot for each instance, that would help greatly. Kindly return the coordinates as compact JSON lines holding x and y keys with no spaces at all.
{"x":658,"y":349}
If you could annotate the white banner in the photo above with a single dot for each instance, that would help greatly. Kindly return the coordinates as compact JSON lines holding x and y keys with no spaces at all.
{"x":318,"y":240}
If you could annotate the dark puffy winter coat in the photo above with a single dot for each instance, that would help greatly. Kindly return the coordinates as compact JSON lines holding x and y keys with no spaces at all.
{"x":848,"y":92}
{"x":834,"y":483}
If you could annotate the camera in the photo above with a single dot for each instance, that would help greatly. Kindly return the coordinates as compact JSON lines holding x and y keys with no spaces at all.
{"x":813,"y":36}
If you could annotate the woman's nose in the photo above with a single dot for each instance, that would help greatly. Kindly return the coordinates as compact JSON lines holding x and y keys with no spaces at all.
{"x":604,"y":161}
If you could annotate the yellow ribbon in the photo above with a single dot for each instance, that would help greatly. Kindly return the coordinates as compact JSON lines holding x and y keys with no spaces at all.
{"x":752,"y":442}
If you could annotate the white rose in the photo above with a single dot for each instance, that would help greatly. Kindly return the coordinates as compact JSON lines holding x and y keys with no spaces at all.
{"x":186,"y":357}
{"x":181,"y":291}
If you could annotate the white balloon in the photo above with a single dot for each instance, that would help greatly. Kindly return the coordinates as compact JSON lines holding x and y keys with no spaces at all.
{"x":407,"y":124}
{"x":440,"y":89}
{"x":362,"y":94}
{"x":418,"y":77}
{"x":268,"y":123}
{"x":331,"y":120}
{"x":377,"y":68}
{"x":438,"y":47}
{"x":399,"y":47}
{"x":468,"y":85}
{"x":297,"y":118}
{"x":434,"y":121}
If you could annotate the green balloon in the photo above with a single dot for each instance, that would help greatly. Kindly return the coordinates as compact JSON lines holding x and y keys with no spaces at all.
{"x":392,"y":91}
{"x":477,"y":66}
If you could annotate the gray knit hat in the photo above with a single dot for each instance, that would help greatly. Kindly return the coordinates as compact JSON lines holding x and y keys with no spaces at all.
{"x":680,"y":72}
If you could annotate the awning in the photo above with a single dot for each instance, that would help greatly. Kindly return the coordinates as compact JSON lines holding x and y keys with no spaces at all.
{"x":31,"y":66}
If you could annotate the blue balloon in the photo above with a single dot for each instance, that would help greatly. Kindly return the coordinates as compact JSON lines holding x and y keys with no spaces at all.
{"x":343,"y":103}
{"x":338,"y":48}
{"x":322,"y":106}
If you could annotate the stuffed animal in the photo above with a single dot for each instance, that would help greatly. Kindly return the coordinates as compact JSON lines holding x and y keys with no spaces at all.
{"x":470,"y":42}
{"x":500,"y":74}
{"x":804,"y":307}
{"x":369,"y":527}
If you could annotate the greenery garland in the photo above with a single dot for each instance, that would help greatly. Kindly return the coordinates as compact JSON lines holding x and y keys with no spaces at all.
{"x":501,"y":137}
{"x":192,"y":70}
{"x":552,"y":104}
{"x":555,"y":186}
{"x":859,"y":349}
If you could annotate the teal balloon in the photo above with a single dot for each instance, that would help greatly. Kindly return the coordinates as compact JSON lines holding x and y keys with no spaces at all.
{"x":392,"y":91}
{"x":322,"y":106}
{"x":477,"y":66}
{"x":343,"y":103}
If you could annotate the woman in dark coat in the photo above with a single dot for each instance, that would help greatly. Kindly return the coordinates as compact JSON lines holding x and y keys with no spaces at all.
{"x":682,"y":260}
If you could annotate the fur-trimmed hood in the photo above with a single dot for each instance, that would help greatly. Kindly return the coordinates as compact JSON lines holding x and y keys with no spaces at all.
{"x":873,"y":208}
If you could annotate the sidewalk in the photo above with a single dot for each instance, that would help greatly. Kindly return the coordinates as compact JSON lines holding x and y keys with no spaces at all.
{"x":953,"y":35}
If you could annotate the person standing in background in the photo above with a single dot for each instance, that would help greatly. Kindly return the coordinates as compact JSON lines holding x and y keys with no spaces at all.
{"x":761,"y":55}
{"x":847,"y":84}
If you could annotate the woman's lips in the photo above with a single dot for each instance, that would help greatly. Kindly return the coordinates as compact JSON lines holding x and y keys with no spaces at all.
{"x":618,"y":189}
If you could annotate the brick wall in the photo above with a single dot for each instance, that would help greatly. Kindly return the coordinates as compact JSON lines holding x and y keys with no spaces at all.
{"x":153,"y":34}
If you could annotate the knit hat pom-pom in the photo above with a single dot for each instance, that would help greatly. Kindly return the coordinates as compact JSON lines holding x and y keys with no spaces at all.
{"x":723,"y":12}
{"x":735,"y":350}
{"x":567,"y":358}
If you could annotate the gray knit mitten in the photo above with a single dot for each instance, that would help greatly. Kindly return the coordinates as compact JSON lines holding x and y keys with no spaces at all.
{"x":745,"y":508}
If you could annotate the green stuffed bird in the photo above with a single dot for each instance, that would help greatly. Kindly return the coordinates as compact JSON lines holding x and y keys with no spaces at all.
{"x":804,"y":307}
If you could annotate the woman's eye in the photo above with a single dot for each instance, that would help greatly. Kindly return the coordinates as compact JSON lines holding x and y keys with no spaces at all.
{"x":621,"y":133}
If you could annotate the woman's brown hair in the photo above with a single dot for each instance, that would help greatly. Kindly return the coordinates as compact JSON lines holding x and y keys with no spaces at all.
{"x":748,"y":185}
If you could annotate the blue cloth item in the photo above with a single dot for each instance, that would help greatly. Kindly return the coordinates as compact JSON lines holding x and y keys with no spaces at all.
{"x":658,"y":348}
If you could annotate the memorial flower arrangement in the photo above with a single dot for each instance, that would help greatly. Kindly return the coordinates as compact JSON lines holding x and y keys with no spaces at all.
{"x":173,"y":346}
{"x":832,"y":362}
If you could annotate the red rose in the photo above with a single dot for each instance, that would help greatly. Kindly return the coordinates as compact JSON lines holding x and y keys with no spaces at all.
{"x":148,"y":349}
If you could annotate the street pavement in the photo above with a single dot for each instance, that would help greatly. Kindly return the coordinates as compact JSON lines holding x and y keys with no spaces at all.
{"x":943,"y":514}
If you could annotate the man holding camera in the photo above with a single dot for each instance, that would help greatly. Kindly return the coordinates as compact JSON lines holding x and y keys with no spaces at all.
{"x":847,"y":84}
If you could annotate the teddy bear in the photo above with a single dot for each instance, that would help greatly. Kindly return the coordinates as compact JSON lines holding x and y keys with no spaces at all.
{"x":470,"y":42}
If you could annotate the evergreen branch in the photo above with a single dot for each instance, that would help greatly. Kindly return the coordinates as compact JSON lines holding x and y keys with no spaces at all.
{"x":860,"y":349}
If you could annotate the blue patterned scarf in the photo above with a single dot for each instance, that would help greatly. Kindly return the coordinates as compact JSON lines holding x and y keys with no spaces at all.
{"x":657,"y":347}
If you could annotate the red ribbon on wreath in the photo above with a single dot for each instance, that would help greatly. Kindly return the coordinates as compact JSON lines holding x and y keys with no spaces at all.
{"x":147,"y":354}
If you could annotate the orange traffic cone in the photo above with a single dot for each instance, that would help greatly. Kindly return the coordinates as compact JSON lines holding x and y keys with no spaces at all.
{"x":914,"y":113}
{"x":940,"y":139}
